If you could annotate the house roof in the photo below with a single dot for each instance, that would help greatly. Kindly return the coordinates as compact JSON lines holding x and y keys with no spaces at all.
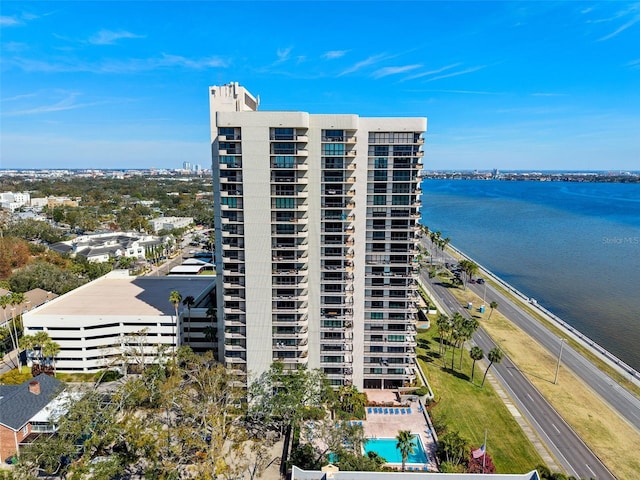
{"x":18,"y":405}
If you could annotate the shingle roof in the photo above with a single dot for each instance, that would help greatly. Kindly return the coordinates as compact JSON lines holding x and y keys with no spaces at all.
{"x":18,"y":404}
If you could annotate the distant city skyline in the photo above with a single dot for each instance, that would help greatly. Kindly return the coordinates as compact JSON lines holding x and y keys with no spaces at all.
{"x":507,"y":85}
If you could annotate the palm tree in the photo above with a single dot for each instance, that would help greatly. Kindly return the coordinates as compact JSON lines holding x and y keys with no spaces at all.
{"x":457,"y":334}
{"x":469,"y":327}
{"x":175,"y":298}
{"x":211,"y":331}
{"x":188,"y":302}
{"x":494,"y":356}
{"x":405,"y":445}
{"x":39,"y":339}
{"x":14,"y":300}
{"x":493,"y":305}
{"x":476,"y":353}
{"x":443,"y":323}
{"x":50,"y":350}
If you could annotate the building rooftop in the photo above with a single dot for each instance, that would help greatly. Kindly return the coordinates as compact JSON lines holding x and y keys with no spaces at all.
{"x":18,"y":403}
{"x":117,"y":294}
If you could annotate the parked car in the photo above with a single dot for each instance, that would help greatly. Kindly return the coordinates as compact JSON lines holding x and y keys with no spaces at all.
{"x":480,"y":281}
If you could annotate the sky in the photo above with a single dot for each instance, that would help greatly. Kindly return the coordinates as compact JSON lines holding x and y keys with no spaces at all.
{"x":531,"y":85}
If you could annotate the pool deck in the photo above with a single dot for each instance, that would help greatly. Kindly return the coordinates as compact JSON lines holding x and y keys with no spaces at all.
{"x":387,"y":425}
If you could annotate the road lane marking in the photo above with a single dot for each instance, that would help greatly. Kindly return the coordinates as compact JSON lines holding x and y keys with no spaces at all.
{"x":554,"y":426}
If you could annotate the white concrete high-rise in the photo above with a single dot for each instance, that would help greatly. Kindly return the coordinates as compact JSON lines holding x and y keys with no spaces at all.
{"x":316,"y":240}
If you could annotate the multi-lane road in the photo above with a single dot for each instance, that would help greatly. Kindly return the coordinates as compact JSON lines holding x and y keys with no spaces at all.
{"x":561,"y":440}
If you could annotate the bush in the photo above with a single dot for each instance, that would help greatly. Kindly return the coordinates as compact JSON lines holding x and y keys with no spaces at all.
{"x":423,"y":390}
{"x":15,"y":377}
{"x":107,"y":376}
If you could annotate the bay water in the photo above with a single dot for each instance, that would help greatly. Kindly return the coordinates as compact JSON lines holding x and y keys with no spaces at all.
{"x":574,"y":247}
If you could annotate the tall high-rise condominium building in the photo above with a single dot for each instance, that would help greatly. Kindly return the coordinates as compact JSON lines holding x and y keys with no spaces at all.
{"x":316,"y":222}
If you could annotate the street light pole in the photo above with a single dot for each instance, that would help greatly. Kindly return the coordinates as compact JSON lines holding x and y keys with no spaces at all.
{"x":555,"y":381}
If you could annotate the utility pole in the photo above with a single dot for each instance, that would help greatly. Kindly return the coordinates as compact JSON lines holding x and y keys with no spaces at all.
{"x":555,"y":381}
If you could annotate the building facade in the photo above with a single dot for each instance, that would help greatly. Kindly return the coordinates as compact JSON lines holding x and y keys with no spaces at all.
{"x":122,"y":322}
{"x":316,"y":229}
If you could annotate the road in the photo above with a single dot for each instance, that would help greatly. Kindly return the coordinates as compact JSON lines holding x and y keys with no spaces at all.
{"x":561,"y":440}
{"x":620,"y":399}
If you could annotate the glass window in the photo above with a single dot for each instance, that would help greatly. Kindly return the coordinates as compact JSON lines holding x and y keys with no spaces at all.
{"x":381,"y":162}
{"x":285,"y":202}
{"x":284,"y":161}
{"x":231,"y":202}
{"x":333,"y":149}
{"x":401,"y":200}
{"x":379,"y":199}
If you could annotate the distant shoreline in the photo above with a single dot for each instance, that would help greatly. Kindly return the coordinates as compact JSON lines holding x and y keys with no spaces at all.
{"x":551,"y":176}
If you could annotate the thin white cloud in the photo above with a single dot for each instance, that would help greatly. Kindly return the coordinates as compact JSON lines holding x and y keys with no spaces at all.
{"x":548,"y":94}
{"x":433,"y":72}
{"x":333,"y":54}
{"x":19,"y":97}
{"x":620,"y":29}
{"x":372,"y":60}
{"x":634,"y":64}
{"x":386,"y":71}
{"x":455,"y":74}
{"x":115,"y":66}
{"x":110,"y":37}
{"x":9,"y":21}
{"x":283,"y":55}
{"x":465,"y":92}
{"x":67,"y":103}
{"x":179,"y":61}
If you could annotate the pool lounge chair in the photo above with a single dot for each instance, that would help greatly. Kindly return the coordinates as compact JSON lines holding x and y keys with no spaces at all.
{"x":369,"y":410}
{"x":409,"y":410}
{"x":386,"y":410}
{"x":397,"y":411}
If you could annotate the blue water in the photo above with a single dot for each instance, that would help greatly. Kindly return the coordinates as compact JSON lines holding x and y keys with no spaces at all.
{"x":574,"y":247}
{"x":386,"y":448}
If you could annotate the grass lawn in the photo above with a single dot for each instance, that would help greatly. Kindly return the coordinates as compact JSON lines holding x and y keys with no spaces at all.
{"x":471,"y":410}
{"x":606,"y":433}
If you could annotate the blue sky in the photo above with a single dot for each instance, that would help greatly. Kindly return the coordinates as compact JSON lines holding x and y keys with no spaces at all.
{"x":510,"y":85}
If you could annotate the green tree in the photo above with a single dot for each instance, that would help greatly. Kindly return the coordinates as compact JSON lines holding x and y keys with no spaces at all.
{"x":188,"y":302}
{"x":175,"y":298}
{"x":494,"y":356}
{"x":50,"y":351}
{"x":468,"y":328}
{"x":350,"y":403}
{"x":280,"y":398}
{"x":405,"y":445}
{"x":443,"y":322}
{"x":493,"y":305}
{"x":476,"y":353}
{"x":453,"y":448}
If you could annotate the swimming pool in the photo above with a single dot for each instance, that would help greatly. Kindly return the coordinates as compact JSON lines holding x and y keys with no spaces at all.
{"x":386,"y":448}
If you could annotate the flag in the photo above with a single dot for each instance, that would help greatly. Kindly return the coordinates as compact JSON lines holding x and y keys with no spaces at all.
{"x":479,"y":452}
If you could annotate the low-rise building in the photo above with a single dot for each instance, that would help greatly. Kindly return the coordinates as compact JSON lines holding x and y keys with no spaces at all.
{"x":29,"y":410}
{"x":101,"y":247}
{"x":13,"y":200}
{"x":170,"y":223}
{"x":118,"y":321}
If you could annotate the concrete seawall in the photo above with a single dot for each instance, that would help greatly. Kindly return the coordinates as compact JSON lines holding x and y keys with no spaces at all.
{"x":598,"y":350}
